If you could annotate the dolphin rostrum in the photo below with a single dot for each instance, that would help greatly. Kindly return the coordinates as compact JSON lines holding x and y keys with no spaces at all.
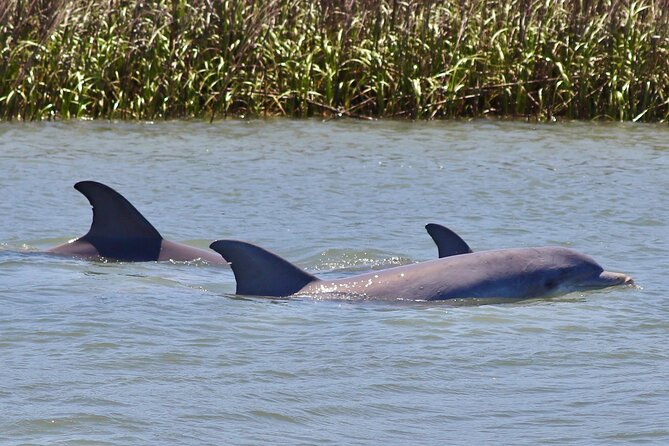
{"x":514,"y":274}
{"x":120,"y":232}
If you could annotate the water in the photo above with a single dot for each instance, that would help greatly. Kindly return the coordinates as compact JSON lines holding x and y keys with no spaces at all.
{"x":120,"y":353}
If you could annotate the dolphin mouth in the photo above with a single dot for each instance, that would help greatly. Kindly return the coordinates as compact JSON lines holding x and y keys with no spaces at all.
{"x":608,"y":278}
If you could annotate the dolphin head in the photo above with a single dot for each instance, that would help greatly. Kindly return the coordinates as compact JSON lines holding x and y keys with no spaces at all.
{"x":557,"y":270}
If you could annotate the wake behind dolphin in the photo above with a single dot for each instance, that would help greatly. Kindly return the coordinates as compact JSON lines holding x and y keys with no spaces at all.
{"x":120,"y":232}
{"x":514,"y":274}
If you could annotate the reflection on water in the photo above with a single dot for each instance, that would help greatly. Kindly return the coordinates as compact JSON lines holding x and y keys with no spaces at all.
{"x":119,"y":353}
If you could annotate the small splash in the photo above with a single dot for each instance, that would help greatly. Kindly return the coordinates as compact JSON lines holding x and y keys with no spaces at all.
{"x":193,"y":262}
{"x":355,"y":261}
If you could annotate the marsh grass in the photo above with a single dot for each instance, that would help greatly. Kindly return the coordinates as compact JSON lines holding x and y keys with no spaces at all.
{"x":150,"y":59}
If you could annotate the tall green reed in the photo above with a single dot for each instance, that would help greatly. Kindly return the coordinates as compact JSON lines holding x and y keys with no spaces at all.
{"x":420,"y":59}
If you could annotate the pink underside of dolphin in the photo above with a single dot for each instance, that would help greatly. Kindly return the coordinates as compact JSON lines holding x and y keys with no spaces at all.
{"x":169,"y":251}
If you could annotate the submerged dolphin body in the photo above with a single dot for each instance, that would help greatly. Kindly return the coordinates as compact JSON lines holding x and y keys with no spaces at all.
{"x":120,"y":232}
{"x":514,"y":274}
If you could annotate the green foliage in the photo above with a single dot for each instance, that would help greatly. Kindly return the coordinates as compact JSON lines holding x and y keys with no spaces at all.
{"x":421,"y":59}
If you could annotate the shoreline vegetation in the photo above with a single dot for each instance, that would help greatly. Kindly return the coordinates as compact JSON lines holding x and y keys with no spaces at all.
{"x":421,"y":59}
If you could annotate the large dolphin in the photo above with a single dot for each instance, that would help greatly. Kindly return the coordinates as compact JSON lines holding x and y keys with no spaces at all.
{"x":120,"y":232}
{"x":514,"y":274}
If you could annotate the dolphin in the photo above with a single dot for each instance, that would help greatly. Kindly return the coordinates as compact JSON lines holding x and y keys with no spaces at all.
{"x":512,"y":274}
{"x":120,"y":232}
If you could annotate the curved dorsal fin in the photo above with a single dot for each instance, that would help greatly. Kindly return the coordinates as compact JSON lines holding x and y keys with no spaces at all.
{"x":448,"y":242}
{"x":118,"y":230}
{"x":259,"y":272}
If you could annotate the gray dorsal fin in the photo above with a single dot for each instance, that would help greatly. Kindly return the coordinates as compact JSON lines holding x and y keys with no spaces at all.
{"x":448,"y":242}
{"x":118,"y":230}
{"x":259,"y":272}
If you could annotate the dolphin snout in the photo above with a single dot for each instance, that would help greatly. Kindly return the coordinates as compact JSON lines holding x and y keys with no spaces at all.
{"x":608,"y":278}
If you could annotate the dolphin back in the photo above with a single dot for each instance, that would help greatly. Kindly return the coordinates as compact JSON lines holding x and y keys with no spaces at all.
{"x":448,"y":242}
{"x":118,"y":230}
{"x":259,"y":272}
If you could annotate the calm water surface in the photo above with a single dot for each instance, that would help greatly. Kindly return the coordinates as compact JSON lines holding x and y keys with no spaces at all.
{"x":157,"y":353}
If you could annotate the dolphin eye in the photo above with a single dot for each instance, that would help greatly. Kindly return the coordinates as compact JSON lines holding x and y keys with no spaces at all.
{"x":550,"y":284}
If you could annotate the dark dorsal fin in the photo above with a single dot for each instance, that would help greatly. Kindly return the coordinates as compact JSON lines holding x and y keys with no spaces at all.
{"x":259,"y":272}
{"x":118,"y":230}
{"x":448,"y":242}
